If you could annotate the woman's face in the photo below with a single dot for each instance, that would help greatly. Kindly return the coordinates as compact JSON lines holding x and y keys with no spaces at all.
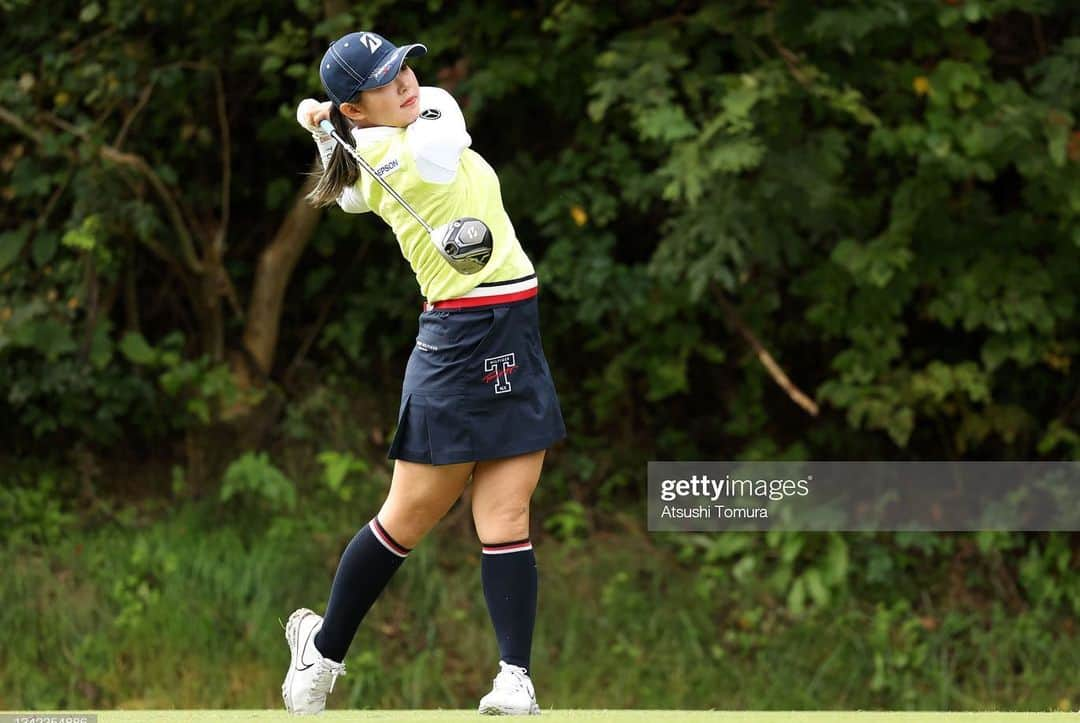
{"x":395,"y":104}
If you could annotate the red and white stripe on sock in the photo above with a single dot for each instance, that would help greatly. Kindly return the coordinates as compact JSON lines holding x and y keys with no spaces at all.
{"x":503,"y":548}
{"x":387,"y":541}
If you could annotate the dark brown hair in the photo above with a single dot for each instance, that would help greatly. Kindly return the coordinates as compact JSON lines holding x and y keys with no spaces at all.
{"x":341,"y":170}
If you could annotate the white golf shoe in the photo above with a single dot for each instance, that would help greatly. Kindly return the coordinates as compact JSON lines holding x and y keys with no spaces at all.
{"x":311,"y":676}
{"x":512,"y":693}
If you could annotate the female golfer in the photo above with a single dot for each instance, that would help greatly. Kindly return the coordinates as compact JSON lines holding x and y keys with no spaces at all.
{"x":477,"y":400}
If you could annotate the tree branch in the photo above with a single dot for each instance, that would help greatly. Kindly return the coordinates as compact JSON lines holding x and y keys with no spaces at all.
{"x":20,"y":125}
{"x":226,"y":163}
{"x":137,"y":163}
{"x":765,"y":357}
{"x":53,"y":199}
{"x":144,"y":98}
{"x":790,"y":59}
{"x":272,"y":274}
{"x":157,"y":249}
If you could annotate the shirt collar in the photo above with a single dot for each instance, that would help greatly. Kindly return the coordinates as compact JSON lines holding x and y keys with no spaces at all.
{"x":374,"y":134}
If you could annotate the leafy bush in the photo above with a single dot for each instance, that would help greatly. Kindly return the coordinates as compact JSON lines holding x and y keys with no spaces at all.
{"x":254,"y":478}
{"x":34,"y":514}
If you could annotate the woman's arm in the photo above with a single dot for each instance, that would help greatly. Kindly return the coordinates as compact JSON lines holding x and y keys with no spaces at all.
{"x":438,"y":137}
{"x":351,"y":201}
{"x":308,"y":115}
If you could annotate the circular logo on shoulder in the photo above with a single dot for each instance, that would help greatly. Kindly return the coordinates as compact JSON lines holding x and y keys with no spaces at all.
{"x":430,"y":114}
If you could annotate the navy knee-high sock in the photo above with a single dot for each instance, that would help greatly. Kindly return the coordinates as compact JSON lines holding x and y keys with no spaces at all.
{"x":508,"y":572}
{"x":368,"y":563}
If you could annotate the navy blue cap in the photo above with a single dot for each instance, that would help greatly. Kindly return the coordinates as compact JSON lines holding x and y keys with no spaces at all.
{"x":362,"y":61}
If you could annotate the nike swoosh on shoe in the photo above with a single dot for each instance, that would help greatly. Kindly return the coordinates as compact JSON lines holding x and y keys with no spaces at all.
{"x":300,"y":658}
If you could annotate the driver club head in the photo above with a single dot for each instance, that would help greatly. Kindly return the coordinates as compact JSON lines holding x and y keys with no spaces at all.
{"x":466,"y":244}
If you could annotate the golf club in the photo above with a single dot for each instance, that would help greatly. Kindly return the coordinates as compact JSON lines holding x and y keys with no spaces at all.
{"x":465,"y":242}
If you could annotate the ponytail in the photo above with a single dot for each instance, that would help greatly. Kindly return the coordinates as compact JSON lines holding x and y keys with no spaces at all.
{"x":341,"y":171}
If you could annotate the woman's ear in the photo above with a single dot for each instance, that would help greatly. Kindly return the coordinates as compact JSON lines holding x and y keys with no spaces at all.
{"x":354,"y":112}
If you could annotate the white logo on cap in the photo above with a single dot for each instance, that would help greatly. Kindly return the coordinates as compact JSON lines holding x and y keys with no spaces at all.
{"x":370,"y":41}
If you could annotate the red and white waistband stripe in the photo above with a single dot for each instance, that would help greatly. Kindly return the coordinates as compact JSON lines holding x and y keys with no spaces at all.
{"x":499,"y":292}
{"x":384,"y":537}
{"x":504,"y":548}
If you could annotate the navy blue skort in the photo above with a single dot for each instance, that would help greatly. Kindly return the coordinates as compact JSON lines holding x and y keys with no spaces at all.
{"x":477,"y":386}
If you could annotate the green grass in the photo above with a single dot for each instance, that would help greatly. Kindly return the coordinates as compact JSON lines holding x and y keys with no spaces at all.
{"x":185,"y":614}
{"x":585,"y":716}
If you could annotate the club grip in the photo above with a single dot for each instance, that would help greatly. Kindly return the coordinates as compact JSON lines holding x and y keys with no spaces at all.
{"x":327,"y":127}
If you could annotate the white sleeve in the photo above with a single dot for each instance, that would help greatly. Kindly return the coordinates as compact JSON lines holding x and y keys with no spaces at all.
{"x":350,"y":201}
{"x":438,"y":137}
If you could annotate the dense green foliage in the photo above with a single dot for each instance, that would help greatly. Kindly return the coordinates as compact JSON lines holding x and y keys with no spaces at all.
{"x":887,"y":194}
{"x":884,"y":195}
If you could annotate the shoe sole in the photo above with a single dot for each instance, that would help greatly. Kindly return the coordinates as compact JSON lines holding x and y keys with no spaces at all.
{"x":493,"y":710}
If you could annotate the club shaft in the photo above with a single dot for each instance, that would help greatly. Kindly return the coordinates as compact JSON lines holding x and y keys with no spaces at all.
{"x":329,"y":128}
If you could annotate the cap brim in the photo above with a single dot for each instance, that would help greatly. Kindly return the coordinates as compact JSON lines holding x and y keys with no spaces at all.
{"x":393,"y":65}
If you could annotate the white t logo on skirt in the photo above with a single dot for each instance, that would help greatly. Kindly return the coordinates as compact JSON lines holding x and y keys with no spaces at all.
{"x":499,"y":368}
